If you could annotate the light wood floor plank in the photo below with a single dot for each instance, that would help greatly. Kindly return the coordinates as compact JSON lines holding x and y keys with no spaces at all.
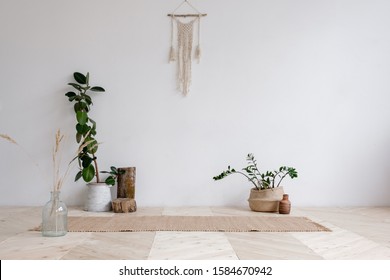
{"x":269,"y":246}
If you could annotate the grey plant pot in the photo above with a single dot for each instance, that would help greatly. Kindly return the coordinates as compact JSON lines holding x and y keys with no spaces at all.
{"x":98,"y":198}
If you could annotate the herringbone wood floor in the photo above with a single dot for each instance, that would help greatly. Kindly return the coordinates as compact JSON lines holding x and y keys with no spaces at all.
{"x":357,"y":233}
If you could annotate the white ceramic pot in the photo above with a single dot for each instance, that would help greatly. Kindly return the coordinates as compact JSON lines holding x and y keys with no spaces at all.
{"x":266,"y":200}
{"x":98,"y":198}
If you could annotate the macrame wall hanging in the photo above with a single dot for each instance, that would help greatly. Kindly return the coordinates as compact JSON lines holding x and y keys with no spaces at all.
{"x":184,"y":48}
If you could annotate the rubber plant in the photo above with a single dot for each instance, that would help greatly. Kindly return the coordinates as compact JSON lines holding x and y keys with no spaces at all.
{"x":261,"y":181}
{"x":85,"y":127}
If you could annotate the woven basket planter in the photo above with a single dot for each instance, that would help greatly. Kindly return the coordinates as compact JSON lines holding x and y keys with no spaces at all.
{"x":266,"y":200}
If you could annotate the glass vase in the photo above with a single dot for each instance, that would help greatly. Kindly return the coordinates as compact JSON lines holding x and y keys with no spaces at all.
{"x":54,"y":216}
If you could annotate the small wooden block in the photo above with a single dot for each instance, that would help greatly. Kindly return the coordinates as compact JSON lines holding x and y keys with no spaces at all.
{"x":124,"y":205}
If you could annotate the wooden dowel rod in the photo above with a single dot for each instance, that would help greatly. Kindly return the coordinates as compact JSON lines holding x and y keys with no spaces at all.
{"x":188,"y":15}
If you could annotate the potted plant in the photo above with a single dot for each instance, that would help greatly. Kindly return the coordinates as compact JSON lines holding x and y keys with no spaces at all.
{"x":99,"y":193}
{"x":267,"y":190}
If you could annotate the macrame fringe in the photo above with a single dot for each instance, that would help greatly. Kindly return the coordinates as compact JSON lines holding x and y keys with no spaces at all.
{"x":183,"y":53}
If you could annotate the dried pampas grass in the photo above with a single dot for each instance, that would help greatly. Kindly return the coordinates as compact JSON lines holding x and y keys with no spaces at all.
{"x":8,"y":138}
{"x":58,"y":179}
{"x":12,"y":141}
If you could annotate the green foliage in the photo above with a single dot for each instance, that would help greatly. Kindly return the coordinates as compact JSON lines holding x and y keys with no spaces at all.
{"x":266,"y":180}
{"x":85,"y":127}
{"x":88,"y":172}
{"x":114,"y":173}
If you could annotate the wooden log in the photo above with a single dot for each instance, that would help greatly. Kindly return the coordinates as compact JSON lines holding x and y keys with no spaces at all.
{"x":124,"y":205}
{"x":126,"y":183}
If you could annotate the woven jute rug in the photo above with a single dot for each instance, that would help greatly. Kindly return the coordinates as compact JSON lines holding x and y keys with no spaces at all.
{"x":129,"y":223}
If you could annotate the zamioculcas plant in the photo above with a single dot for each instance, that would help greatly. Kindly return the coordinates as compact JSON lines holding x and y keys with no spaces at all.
{"x":267,"y":180}
{"x":85,"y":127}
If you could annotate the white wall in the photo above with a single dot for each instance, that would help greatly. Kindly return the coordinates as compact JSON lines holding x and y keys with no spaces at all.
{"x":302,"y":83}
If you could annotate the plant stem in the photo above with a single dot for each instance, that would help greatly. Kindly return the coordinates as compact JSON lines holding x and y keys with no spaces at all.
{"x":281,"y":179}
{"x":274,"y":178}
{"x":96,"y":169}
{"x":248,"y":179}
{"x":255,"y":164}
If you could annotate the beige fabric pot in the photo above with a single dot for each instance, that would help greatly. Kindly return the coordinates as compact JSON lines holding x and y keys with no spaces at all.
{"x":266,"y":200}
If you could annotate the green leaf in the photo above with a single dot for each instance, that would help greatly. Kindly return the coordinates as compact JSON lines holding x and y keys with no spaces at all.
{"x":76,"y":86}
{"x":99,"y":89}
{"x":88,"y":99}
{"x":86,"y":161}
{"x":88,"y":173}
{"x":113,"y":169}
{"x":110,"y":181}
{"x":82,"y":117}
{"x":77,"y":98}
{"x":78,"y":137}
{"x":70,"y":94}
{"x":80,"y":106}
{"x":78,"y":176}
{"x":76,"y":107}
{"x":87,"y":78}
{"x":82,"y":129}
{"x":80,"y":78}
{"x":93,"y":124}
{"x":92,"y":147}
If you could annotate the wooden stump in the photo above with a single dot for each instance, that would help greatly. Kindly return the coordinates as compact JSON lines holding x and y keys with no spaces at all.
{"x":126,"y":183}
{"x":124,"y":205}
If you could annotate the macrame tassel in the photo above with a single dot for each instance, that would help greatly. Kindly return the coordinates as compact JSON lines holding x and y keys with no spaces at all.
{"x":172,"y":54}
{"x":198,"y":53}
